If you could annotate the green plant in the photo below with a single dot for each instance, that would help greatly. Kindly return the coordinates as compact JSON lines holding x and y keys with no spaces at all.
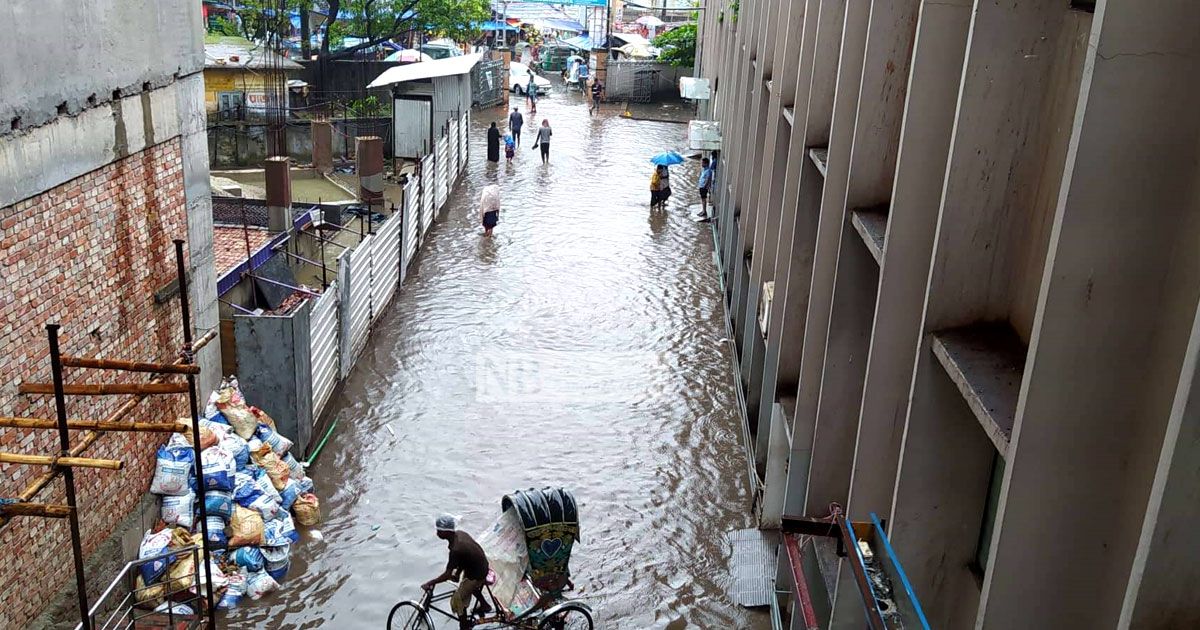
{"x":678,"y":45}
{"x":733,"y":9}
{"x":369,"y":107}
{"x":226,"y":26}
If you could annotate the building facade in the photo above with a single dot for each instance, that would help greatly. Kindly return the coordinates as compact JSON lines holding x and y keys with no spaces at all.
{"x":959,"y":244}
{"x":103,"y":162}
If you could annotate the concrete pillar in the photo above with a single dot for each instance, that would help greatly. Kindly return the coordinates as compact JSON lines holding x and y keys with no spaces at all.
{"x":1095,"y":443}
{"x":369,"y":166}
{"x":322,"y":145}
{"x":279,"y":193}
{"x":506,"y":56}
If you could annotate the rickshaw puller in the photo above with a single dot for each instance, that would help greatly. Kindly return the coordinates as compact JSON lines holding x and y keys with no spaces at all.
{"x":468,"y":564}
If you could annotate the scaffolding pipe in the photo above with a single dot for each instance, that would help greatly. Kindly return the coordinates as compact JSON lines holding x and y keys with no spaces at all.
{"x":95,"y":425}
{"x":194,"y":407}
{"x":129,"y":366}
{"x":104,"y":389}
{"x":59,"y":460}
{"x":64,"y":442}
{"x":39,"y":483}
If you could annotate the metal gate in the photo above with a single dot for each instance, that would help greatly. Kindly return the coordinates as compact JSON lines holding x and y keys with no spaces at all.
{"x":323,"y":347}
{"x":487,"y":83}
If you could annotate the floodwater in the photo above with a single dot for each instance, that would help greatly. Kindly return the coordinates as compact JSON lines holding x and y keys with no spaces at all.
{"x":580,"y":346}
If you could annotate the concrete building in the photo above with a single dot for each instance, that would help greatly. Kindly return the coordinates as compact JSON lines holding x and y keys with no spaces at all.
{"x":959,"y":244}
{"x":237,"y":74}
{"x":103,"y":161}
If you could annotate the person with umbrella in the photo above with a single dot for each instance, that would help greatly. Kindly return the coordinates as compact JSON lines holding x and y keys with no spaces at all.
{"x":493,"y":143}
{"x":660,"y":180}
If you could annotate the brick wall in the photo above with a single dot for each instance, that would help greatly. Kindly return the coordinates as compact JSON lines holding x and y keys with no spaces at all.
{"x":89,"y":255}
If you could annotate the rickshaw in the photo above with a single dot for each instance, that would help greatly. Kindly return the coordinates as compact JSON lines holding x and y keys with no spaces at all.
{"x":529,"y":551}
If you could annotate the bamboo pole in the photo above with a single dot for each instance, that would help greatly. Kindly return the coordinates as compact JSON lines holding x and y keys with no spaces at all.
{"x":130,"y":366}
{"x":96,"y":425}
{"x":47,"y":460}
{"x":35,"y":509}
{"x":39,"y":483}
{"x":105,"y":389}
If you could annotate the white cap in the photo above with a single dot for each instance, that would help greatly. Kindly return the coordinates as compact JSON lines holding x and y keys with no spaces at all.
{"x":446,"y":523}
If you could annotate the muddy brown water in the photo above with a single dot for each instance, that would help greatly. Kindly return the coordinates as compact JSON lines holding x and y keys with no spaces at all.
{"x":581,"y":346}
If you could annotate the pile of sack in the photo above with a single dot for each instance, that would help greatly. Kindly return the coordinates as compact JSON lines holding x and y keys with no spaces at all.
{"x":255,"y":494}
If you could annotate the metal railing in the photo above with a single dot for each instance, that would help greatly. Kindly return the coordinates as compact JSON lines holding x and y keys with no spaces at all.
{"x":125,"y":605}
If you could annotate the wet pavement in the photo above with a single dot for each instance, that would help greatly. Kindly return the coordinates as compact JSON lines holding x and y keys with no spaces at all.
{"x":580,"y":346}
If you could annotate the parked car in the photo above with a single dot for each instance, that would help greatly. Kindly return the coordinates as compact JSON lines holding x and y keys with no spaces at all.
{"x":518,"y":78}
{"x":441,"y":49}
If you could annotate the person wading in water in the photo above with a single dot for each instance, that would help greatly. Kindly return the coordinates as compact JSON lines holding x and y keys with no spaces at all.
{"x":543,"y":140}
{"x":493,"y":140}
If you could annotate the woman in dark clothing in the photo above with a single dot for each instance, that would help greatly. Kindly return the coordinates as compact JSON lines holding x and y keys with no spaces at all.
{"x":493,"y":143}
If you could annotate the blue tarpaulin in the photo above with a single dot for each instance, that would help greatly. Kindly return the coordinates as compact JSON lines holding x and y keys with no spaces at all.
{"x":493,"y":25}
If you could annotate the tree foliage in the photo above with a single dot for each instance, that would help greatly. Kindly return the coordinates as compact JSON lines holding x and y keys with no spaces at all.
{"x":678,"y":45}
{"x":374,"y":21}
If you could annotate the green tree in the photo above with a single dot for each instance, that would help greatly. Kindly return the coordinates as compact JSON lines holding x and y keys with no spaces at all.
{"x":374,"y":21}
{"x":678,"y":45}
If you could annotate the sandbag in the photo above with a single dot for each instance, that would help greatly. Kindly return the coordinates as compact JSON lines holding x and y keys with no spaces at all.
{"x":295,"y":468}
{"x":288,"y":495}
{"x":154,"y":543}
{"x":244,"y":422}
{"x":219,"y":469}
{"x":307,"y":509}
{"x":281,"y":531}
{"x":263,"y":482}
{"x":267,"y":507}
{"x":148,"y":596}
{"x":182,"y":574}
{"x":216,"y":533}
{"x":263,"y":417}
{"x":279,"y":574}
{"x":172,"y":468}
{"x":275,"y":440}
{"x":217,"y":503}
{"x":245,"y":528}
{"x":270,"y":462}
{"x":178,"y":510}
{"x":306,"y":485}
{"x":238,"y":447}
{"x":234,"y":591}
{"x":175,"y":609}
{"x":275,"y":557}
{"x":250,"y":558}
{"x":260,"y":583}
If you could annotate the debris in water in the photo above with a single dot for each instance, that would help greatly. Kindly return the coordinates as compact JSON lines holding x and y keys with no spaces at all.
{"x":388,"y":426}
{"x":316,"y":534}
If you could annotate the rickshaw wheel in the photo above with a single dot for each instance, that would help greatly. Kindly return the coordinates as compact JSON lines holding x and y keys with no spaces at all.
{"x":408,"y":616}
{"x":569,"y":617}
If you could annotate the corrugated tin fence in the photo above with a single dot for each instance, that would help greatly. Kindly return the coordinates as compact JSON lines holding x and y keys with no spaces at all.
{"x":370,"y":274}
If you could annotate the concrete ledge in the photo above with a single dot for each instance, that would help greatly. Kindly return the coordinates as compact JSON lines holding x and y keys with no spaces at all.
{"x":820,"y":157}
{"x":986,"y":363}
{"x":871,"y":224}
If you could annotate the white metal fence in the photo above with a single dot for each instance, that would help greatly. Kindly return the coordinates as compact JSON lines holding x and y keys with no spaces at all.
{"x":370,"y":274}
{"x":323,"y":347}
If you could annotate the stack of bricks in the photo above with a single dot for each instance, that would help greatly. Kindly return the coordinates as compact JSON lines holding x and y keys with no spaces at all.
{"x":90,"y":255}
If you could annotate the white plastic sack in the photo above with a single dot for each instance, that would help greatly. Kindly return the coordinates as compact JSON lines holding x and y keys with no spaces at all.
{"x":176,"y":609}
{"x":172,"y":467}
{"x":236,"y":446}
{"x":276,"y":557}
{"x":260,"y":583}
{"x":295,"y":468}
{"x":263,"y":482}
{"x":269,"y":508}
{"x":274,"y":439}
{"x":219,"y":469}
{"x":153,"y":544}
{"x":179,"y":510}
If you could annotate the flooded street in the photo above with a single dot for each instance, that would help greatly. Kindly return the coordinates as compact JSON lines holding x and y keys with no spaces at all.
{"x":581,"y":346}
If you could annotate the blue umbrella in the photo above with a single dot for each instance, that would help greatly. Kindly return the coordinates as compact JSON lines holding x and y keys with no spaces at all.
{"x":670,"y":158}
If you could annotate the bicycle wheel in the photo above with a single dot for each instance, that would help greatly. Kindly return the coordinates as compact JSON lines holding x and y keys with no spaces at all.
{"x":568,"y":617}
{"x":409,"y":616}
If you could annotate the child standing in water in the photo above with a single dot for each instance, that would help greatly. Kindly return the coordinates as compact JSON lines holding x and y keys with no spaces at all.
{"x":510,"y":148}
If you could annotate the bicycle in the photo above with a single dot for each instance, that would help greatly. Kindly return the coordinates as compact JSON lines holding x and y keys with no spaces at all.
{"x":564,"y":615}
